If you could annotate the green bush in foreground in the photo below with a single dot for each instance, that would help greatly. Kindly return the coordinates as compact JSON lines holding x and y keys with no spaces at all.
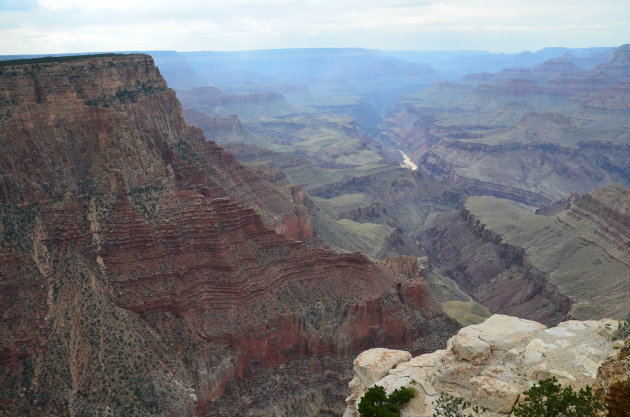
{"x":623,"y":330}
{"x":449,"y":406}
{"x":546,"y":399}
{"x":376,"y":403}
{"x":550,"y":399}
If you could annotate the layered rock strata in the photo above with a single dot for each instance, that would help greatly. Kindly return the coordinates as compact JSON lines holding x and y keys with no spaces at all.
{"x":140,"y":271}
{"x":489,"y":364}
{"x":546,"y":132}
{"x":572,"y":263}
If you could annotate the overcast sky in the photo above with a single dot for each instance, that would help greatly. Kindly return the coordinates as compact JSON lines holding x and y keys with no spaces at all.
{"x":60,"y":26}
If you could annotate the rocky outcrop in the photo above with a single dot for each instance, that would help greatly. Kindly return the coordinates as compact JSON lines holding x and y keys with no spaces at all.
{"x":489,"y":364}
{"x":613,"y":382}
{"x":222,"y":129}
{"x":212,"y":101}
{"x":140,"y":273}
{"x":432,"y":165}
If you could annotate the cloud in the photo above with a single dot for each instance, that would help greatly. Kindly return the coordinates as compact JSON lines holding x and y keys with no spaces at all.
{"x":57,"y":26}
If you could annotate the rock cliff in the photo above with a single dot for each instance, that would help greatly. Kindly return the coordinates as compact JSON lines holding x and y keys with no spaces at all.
{"x":140,"y":272}
{"x":573,"y":263}
{"x":489,"y":364}
{"x":613,"y":382}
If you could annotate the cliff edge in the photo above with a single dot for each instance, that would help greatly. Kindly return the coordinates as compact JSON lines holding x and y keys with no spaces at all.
{"x":145,"y":272}
{"x":489,"y":364}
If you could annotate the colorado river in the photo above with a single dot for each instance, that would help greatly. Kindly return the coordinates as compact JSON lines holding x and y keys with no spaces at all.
{"x":407,"y":163}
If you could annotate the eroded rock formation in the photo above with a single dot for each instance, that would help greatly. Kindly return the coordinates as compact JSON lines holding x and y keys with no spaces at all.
{"x":489,"y":364}
{"x":544,"y":132}
{"x":613,"y":382}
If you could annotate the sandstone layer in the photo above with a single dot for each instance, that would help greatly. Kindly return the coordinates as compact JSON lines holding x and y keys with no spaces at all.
{"x":145,"y":272}
{"x":488,"y":364}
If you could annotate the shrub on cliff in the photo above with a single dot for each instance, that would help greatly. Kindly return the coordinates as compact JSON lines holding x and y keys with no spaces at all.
{"x":376,"y":403}
{"x":550,"y":399}
{"x":449,"y":406}
{"x":623,"y":330}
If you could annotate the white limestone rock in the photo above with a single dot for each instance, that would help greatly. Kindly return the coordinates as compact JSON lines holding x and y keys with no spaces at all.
{"x":489,"y":364}
{"x":502,"y":332}
{"x":471,"y":349}
{"x":372,"y":365}
{"x":493,"y":394}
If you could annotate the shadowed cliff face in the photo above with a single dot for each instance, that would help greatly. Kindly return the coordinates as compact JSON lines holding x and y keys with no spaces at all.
{"x":572,"y":263}
{"x":140,"y":274}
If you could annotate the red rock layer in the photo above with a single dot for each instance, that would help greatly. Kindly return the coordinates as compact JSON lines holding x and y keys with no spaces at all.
{"x":139,"y":275}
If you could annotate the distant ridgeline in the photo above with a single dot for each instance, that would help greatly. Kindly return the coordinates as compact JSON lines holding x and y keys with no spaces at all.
{"x":49,"y":59}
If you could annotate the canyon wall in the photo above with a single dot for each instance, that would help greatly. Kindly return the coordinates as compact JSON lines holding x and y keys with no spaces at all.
{"x":494,"y":273}
{"x":572,"y":263}
{"x":146,"y":272}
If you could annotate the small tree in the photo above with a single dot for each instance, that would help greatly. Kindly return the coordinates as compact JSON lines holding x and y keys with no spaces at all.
{"x":376,"y":403}
{"x":623,"y":330}
{"x":449,"y":406}
{"x":549,"y":399}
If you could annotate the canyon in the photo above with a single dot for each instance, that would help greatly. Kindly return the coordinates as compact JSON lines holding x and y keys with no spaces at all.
{"x":573,"y":263}
{"x":536,"y":136}
{"x":229,"y":246}
{"x":550,"y":130}
{"x":146,"y":272}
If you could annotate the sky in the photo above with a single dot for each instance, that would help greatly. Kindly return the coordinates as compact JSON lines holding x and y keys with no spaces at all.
{"x":69,"y":26}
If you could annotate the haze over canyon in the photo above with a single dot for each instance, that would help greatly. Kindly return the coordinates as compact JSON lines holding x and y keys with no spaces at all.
{"x":223,"y":233}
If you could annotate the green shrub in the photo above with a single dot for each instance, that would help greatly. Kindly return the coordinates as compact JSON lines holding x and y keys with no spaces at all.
{"x":449,"y":406}
{"x":550,"y":399}
{"x":376,"y":403}
{"x":623,"y":331}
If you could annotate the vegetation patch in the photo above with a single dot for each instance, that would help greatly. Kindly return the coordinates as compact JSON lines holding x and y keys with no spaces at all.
{"x":6,"y":110}
{"x":17,"y":226}
{"x":186,"y":152}
{"x":123,"y":95}
{"x":376,"y":403}
{"x":145,"y":200}
{"x":449,"y":406}
{"x":372,"y":236}
{"x":343,"y":203}
{"x":550,"y":399}
{"x":466,"y":312}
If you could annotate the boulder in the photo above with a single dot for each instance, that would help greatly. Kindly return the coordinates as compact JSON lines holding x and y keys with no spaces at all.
{"x":502,"y":332}
{"x":471,"y":349}
{"x":372,"y":365}
{"x":493,"y":394}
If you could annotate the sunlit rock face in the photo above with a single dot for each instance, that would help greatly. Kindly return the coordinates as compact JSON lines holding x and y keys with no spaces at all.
{"x":489,"y":364}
